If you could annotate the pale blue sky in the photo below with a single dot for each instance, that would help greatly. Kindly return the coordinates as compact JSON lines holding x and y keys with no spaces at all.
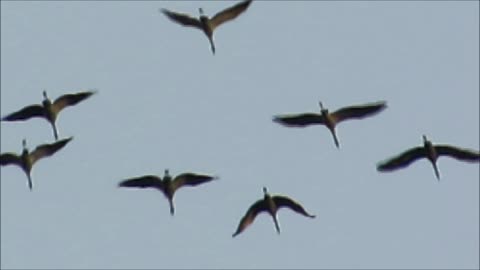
{"x":165,"y":102}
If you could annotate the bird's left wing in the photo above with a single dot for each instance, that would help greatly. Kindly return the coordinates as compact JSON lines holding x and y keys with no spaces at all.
{"x":70,"y":100}
{"x":458,"y":153}
{"x":282,"y":201}
{"x":358,"y":111}
{"x":229,"y":13}
{"x":46,"y":150}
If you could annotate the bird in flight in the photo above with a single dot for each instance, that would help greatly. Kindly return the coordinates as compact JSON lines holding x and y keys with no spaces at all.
{"x":206,"y":24}
{"x":167,"y":185}
{"x":330,"y":120}
{"x":431,"y":152}
{"x":48,"y":110}
{"x":269,"y":204}
{"x":27,"y":159}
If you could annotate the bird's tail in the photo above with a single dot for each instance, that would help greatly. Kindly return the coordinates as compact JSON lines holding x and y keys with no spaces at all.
{"x":30,"y":184}
{"x":277,"y":226}
{"x":335,"y":139}
{"x":55,"y":131}
{"x":172,"y":208}
{"x":212,"y":45}
{"x":435,"y":168}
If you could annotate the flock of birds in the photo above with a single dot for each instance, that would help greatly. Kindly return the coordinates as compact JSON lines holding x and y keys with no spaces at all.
{"x":168,"y":185}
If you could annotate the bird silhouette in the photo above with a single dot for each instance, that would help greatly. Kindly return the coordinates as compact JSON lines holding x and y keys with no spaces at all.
{"x":206,"y":24}
{"x":431,"y":152}
{"x":27,"y":159}
{"x":269,"y":204}
{"x":48,"y":110}
{"x":330,"y":120}
{"x":167,"y":185}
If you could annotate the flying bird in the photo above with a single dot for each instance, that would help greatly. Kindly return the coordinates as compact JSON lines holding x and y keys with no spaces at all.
{"x":330,"y":120}
{"x":269,"y":204}
{"x":48,"y":110}
{"x":27,"y":159}
{"x":168,"y":185}
{"x":431,"y":152}
{"x":206,"y":24}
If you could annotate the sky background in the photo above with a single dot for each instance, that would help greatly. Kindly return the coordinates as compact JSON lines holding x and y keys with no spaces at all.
{"x":164,"y":101}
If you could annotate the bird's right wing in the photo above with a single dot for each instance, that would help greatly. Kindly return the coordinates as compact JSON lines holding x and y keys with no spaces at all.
{"x":282,"y":201}
{"x":402,"y":160}
{"x":146,"y":181}
{"x":46,"y":150}
{"x":458,"y":153}
{"x":181,"y":18}
{"x":299,"y":120}
{"x":10,"y":159}
{"x":25,"y":113}
{"x":229,"y":13}
{"x":249,"y":217}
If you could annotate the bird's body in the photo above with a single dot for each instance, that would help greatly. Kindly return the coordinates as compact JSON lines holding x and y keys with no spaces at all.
{"x":330,"y":120}
{"x":27,"y":159}
{"x":269,"y":204}
{"x":48,"y":110}
{"x":206,"y":24}
{"x":167,"y":185}
{"x":429,"y":151}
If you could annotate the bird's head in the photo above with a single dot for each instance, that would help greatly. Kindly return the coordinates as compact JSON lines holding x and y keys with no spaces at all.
{"x":45,"y":94}
{"x":200,"y":10}
{"x":424,"y":137}
{"x":265,"y":192}
{"x":24,"y":145}
{"x":323,"y":109}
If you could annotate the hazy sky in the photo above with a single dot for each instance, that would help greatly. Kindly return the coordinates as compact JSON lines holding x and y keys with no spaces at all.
{"x":164,"y":101}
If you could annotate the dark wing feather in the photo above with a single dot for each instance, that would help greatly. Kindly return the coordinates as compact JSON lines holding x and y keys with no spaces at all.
{"x":46,"y":150}
{"x":70,"y":100}
{"x":183,"y":19}
{"x":249,"y":217}
{"x":229,"y":13}
{"x":402,"y":160}
{"x":190,"y":179}
{"x":282,"y":201}
{"x":25,"y":113}
{"x":458,"y":153}
{"x":299,"y":120}
{"x":10,"y":158}
{"x":358,"y":111}
{"x":146,"y":181}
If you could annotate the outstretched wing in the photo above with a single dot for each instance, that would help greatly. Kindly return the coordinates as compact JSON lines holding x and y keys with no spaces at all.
{"x":70,"y":100}
{"x":458,"y":153}
{"x":402,"y":160}
{"x":229,"y":13}
{"x":299,"y":120}
{"x":181,"y":18}
{"x":25,"y":113}
{"x":249,"y":217}
{"x":10,"y":159}
{"x":191,"y":179}
{"x":146,"y":181}
{"x":358,"y":111}
{"x":282,"y":201}
{"x":46,"y":150}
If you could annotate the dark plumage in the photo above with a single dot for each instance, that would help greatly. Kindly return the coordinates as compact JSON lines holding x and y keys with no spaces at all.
{"x":330,"y":120}
{"x":208,"y":25}
{"x":48,"y":110}
{"x":269,"y":204}
{"x":27,"y":159}
{"x":168,"y":185}
{"x":429,"y":151}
